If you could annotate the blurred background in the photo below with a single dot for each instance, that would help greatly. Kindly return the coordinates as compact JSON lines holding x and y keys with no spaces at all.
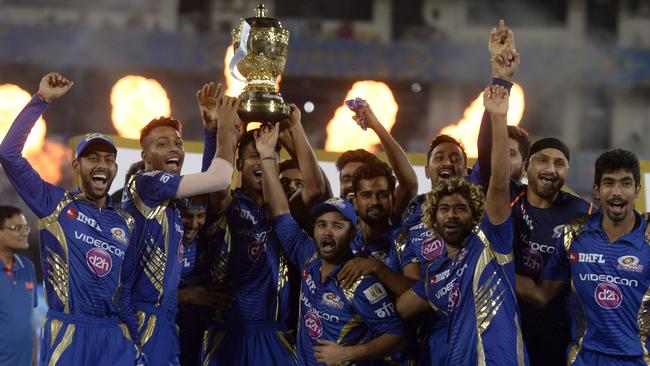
{"x":584,"y":77}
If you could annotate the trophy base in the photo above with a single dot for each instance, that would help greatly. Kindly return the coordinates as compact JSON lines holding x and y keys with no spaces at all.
{"x":262,"y":106}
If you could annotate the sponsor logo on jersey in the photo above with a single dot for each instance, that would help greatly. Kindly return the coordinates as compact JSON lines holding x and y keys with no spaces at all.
{"x":540,"y":248}
{"x":256,"y":251}
{"x":247,"y":215}
{"x":432,"y":247}
{"x":532,"y":262}
{"x":386,"y":309}
{"x":592,"y":277}
{"x":99,"y":244}
{"x":119,"y":234}
{"x":557,"y":231}
{"x":99,"y":261}
{"x":332,"y":300}
{"x":454,"y":297}
{"x":440,"y":276}
{"x":629,"y":263}
{"x":75,"y":214}
{"x":320,"y":314}
{"x":72,"y":213}
{"x":608,"y":295}
{"x":309,"y":281}
{"x":575,"y":257}
{"x":180,"y":250}
{"x":375,"y":293}
{"x":313,"y":325}
{"x":380,"y":256}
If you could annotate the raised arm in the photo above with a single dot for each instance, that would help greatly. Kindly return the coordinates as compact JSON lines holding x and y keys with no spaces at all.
{"x":497,"y":201}
{"x":266,"y":137}
{"x":404,"y":172}
{"x":39,"y":195}
{"x":538,"y":292}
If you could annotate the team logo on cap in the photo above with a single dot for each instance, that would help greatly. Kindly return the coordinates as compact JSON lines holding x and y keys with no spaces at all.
{"x":336,"y":201}
{"x":119,"y":235}
{"x":332,"y":300}
{"x":608,"y":295}
{"x":629,"y":263}
{"x":99,"y":261}
{"x":431,"y":247}
{"x":95,"y":135}
{"x":313,"y":325}
{"x":532,"y":262}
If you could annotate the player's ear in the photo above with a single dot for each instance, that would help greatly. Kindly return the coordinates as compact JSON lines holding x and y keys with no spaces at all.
{"x":76,"y":166}
{"x":239,"y":164}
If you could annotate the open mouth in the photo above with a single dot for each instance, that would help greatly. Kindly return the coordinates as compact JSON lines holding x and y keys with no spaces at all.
{"x":327,"y":245}
{"x":173,"y":163}
{"x":547,"y":181}
{"x":99,"y":179}
{"x":258,"y":174}
{"x":446,"y":173}
{"x":617,"y":206}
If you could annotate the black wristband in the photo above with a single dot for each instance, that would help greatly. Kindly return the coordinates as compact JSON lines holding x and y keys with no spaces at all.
{"x":504,"y":83}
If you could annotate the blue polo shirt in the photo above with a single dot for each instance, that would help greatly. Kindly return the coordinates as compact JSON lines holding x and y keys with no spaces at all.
{"x":17,"y":300}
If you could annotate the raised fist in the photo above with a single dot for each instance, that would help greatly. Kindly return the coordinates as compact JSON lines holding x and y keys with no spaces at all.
{"x":53,"y":86}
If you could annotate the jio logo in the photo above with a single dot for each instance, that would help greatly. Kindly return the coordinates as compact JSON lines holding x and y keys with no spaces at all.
{"x":256,"y":251}
{"x":313,"y":325}
{"x":432,"y":248}
{"x":532,"y":262}
{"x":99,"y":261}
{"x":454,"y":297}
{"x":608,"y":295}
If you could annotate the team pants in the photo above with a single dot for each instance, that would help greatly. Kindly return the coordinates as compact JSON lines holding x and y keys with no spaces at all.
{"x":249,"y":343}
{"x":158,"y":334}
{"x":589,"y":358}
{"x":74,"y":339}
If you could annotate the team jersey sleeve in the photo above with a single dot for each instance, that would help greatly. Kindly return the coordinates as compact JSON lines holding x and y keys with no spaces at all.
{"x":409,"y":253}
{"x":156,"y":186}
{"x":558,"y":267}
{"x":297,"y":245}
{"x":209,"y":148}
{"x":419,"y":288}
{"x":377,"y":310}
{"x":40,"y":196}
{"x":500,"y":236}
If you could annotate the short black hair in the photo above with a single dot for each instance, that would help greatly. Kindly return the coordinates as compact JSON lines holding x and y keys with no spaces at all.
{"x":288,"y":164}
{"x":441,"y":139}
{"x":374,"y":170}
{"x":617,"y":159}
{"x":7,"y":212}
{"x":355,"y":156}
{"x":248,"y":138}
{"x":133,"y":169}
{"x":523,"y":141}
{"x":159,"y":122}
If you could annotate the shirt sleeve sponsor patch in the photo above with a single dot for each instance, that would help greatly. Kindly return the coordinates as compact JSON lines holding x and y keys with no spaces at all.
{"x":375,"y":293}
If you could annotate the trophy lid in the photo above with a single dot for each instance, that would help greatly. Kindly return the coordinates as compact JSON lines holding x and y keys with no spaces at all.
{"x":261,"y":20}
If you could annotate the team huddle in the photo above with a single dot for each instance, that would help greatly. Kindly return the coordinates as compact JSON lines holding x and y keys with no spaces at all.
{"x":273,"y":270}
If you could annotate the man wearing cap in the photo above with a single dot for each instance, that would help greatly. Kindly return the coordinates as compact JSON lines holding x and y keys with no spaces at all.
{"x":17,"y":291}
{"x":82,"y":240}
{"x":336,"y":325}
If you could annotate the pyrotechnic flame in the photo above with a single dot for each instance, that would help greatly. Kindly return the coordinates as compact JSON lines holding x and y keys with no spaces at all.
{"x":12,"y":100}
{"x":344,"y":134}
{"x":136,"y":101}
{"x":234,"y":87}
{"x":45,"y":156}
{"x":466,"y":130}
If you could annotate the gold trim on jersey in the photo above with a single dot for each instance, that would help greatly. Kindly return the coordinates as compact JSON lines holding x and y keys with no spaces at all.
{"x":487,"y":303}
{"x":125,"y":331}
{"x":63,"y":345}
{"x":400,"y":243}
{"x":521,"y":356}
{"x":643,"y":320}
{"x":148,"y":331}
{"x":287,"y":343}
{"x":283,"y":279}
{"x":55,"y":327}
{"x":572,"y":230}
{"x":215,"y":344}
{"x":57,"y":276}
{"x":581,"y":325}
{"x":153,"y":266}
{"x":355,"y":321}
{"x":502,"y":259}
{"x":349,"y":292}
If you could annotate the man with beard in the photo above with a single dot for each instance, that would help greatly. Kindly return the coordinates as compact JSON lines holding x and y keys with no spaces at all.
{"x":351,"y":160}
{"x":82,"y":241}
{"x":336,"y":325}
{"x":472,"y":283}
{"x":604,"y":258}
{"x":151,"y":272}
{"x":254,"y":329}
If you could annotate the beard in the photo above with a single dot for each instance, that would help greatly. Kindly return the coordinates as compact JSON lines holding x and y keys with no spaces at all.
{"x":376,"y":215}
{"x":456,"y":237}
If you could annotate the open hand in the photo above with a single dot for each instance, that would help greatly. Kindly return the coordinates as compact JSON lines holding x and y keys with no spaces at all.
{"x":355,"y":268}
{"x":330,"y":353}
{"x":206,"y":97}
{"x":227,"y":117}
{"x":495,"y":100}
{"x":53,"y":86}
{"x":266,"y":137}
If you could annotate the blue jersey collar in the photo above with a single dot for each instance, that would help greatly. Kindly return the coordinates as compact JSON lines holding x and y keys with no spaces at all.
{"x":636,"y":237}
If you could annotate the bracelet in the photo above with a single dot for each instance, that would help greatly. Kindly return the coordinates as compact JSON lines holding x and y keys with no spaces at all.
{"x":504,"y":83}
{"x":269,"y":158}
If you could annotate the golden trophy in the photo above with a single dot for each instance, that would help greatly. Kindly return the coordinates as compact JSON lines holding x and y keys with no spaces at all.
{"x":261,"y":46}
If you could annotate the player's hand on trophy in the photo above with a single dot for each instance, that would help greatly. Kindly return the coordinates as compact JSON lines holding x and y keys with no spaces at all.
{"x":294,"y":117}
{"x":266,"y":137}
{"x":503,"y":55}
{"x":495,"y":100}
{"x":206,"y":97}
{"x":355,"y":268}
{"x":53,"y":86}
{"x":330,"y":353}
{"x":227,"y":117}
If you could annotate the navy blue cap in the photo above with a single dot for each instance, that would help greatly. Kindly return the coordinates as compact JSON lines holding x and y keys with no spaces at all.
{"x":94,"y":138}
{"x":339,"y":204}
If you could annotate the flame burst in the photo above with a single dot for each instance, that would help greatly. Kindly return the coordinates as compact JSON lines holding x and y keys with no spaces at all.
{"x":136,"y":101}
{"x":466,"y":130}
{"x":46,"y":157}
{"x":344,"y":134}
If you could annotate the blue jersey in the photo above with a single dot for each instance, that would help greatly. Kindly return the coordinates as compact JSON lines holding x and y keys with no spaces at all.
{"x":152,"y":269}
{"x":484,"y":320}
{"x":82,"y":246}
{"x":328,"y":312}
{"x":190,"y":253}
{"x":611,"y":284}
{"x":250,"y":260}
{"x":381,"y":247}
{"x":420,"y":245}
